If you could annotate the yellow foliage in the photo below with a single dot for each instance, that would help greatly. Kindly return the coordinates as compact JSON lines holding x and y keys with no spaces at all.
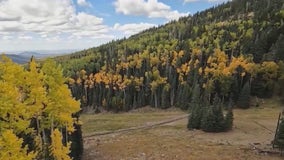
{"x":154,"y":85}
{"x":71,"y":81}
{"x":181,"y":54}
{"x":196,"y":52}
{"x":269,"y":70}
{"x":57,"y":149}
{"x":11,"y":148}
{"x":200,"y":71}
{"x":79,"y":81}
{"x":28,"y":94}
{"x":196,"y":63}
{"x":154,"y":61}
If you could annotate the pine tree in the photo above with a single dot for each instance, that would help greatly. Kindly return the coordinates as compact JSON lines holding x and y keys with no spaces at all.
{"x":279,"y":47}
{"x":229,"y":119}
{"x":165,"y":103}
{"x":194,"y":119}
{"x":183,"y":98}
{"x":244,"y":97}
{"x":208,"y":122}
{"x":279,"y":139}
{"x":213,"y":119}
{"x":77,"y":143}
{"x":218,"y":113}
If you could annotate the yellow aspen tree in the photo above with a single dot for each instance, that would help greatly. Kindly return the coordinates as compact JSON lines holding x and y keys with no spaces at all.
{"x":15,"y":113}
{"x":61,"y":105}
{"x":11,"y":147}
{"x":269,"y":70}
{"x":57,"y":148}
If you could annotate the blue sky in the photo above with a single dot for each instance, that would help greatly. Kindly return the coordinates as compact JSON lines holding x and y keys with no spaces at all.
{"x":81,"y":24}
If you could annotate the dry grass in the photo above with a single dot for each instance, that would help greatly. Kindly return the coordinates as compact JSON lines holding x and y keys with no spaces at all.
{"x":111,"y":122}
{"x":174,"y":141}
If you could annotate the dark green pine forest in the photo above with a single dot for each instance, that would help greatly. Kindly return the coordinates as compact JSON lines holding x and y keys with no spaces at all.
{"x":226,"y":56}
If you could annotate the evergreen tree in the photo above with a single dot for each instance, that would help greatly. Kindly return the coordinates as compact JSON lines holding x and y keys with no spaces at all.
{"x":165,"y":103}
{"x":218,"y":112}
{"x":195,"y":115}
{"x":184,"y":96}
{"x":279,"y":47}
{"x":77,"y":141}
{"x":229,"y":119}
{"x":281,"y":81}
{"x":279,"y":139}
{"x":244,"y":97}
{"x":213,"y":119}
{"x":194,"y":120}
{"x":208,"y":122}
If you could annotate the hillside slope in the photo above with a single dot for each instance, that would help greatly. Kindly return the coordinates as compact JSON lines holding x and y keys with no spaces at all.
{"x":241,"y":26}
{"x":230,"y":51}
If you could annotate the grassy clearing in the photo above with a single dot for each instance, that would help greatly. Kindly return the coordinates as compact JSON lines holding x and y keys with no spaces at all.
{"x":111,"y":122}
{"x":173,"y":141}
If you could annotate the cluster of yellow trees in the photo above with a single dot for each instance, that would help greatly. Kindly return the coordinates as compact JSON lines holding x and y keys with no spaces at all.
{"x":151,"y":74}
{"x":36,"y":110}
{"x":219,"y":67}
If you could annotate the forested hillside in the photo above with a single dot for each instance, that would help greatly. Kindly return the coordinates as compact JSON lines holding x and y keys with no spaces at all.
{"x":219,"y":56}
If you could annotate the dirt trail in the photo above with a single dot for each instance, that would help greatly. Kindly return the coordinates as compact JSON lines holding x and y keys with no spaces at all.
{"x":147,"y":126}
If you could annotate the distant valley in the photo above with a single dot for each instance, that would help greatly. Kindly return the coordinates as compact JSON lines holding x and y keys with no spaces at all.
{"x":22,"y":57}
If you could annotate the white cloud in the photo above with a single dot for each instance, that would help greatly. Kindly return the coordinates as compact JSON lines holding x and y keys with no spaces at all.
{"x":188,"y":1}
{"x":84,"y":3}
{"x":7,"y":37}
{"x":149,"y":8}
{"x":46,"y":17}
{"x":132,"y":28}
{"x":53,"y":39}
{"x":23,"y":37}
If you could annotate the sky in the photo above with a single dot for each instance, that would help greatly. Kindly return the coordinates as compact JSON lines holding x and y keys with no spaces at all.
{"x":27,"y":25}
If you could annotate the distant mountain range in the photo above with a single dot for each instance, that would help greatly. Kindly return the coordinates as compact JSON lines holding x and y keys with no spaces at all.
{"x":22,"y":57}
{"x":18,"y":58}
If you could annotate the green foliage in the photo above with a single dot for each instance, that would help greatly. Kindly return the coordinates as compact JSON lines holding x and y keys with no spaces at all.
{"x":166,"y":97}
{"x":244,"y":97}
{"x":184,"y":97}
{"x":279,"y":139}
{"x":229,"y":120}
{"x":281,"y":80}
{"x":216,"y":48}
{"x":208,"y":121}
{"x":279,"y":47}
{"x":195,"y":114}
{"x":77,"y":143}
{"x":213,"y":119}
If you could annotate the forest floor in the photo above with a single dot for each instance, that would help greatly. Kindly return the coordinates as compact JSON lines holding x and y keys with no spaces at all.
{"x":162,"y":135}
